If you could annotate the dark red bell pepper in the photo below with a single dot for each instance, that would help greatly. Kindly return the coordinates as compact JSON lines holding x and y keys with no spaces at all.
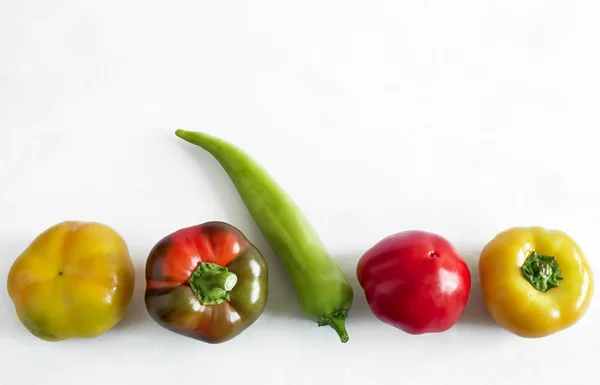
{"x":206,"y":282}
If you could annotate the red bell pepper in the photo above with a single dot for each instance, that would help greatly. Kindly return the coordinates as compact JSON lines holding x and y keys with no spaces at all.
{"x":416,"y":281}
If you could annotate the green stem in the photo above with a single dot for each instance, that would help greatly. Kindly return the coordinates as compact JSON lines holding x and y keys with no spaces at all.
{"x":212,"y":283}
{"x":337,"y":321}
{"x":542,"y":271}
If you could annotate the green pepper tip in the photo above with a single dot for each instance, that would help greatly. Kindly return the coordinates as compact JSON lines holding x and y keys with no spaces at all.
{"x":180,"y":133}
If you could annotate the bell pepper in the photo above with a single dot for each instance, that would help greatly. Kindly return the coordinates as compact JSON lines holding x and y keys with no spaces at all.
{"x":206,"y":282}
{"x":416,"y":281}
{"x":535,"y":281}
{"x":75,"y":279}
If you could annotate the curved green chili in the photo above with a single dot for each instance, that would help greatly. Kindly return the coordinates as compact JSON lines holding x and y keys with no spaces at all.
{"x":321,"y":287}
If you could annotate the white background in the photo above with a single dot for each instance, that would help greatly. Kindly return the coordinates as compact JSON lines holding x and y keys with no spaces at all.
{"x":458,"y":117}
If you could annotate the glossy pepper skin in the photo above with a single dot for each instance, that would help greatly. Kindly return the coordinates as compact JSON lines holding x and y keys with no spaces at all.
{"x":75,"y":280}
{"x":321,"y":287}
{"x":535,"y":281}
{"x":416,"y":281}
{"x":206,"y":282}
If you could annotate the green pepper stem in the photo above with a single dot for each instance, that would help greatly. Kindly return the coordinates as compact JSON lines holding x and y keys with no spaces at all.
{"x":337,"y":321}
{"x":542,"y":271}
{"x":212,"y":283}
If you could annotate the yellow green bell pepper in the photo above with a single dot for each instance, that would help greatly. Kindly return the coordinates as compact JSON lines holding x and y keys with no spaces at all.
{"x":75,"y":279}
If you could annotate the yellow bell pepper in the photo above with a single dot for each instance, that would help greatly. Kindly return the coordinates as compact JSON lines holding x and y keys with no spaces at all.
{"x":75,"y":279}
{"x":535,"y":281}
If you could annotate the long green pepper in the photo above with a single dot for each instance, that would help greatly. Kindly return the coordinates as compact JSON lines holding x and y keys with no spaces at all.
{"x":321,"y":287}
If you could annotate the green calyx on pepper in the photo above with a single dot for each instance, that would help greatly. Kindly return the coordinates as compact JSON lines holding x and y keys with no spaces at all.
{"x":542,"y":271}
{"x":337,"y":321}
{"x":212,"y":283}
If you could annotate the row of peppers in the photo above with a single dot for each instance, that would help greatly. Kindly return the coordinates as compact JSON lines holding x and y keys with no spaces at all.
{"x":210,"y":283}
